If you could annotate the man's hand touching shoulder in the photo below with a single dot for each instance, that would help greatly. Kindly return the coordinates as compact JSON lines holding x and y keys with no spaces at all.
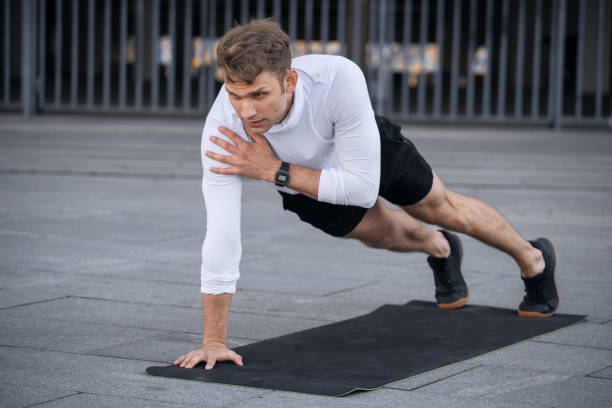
{"x":211,"y":353}
{"x":252,"y":160}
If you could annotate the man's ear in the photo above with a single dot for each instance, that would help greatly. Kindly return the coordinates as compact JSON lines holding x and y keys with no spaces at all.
{"x":290,"y":81}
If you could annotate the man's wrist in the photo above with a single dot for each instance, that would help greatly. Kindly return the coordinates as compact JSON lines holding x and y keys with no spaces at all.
{"x":276,"y":166}
{"x":208,"y":343}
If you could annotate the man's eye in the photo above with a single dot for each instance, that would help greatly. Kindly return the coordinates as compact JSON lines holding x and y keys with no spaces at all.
{"x":258,"y":94}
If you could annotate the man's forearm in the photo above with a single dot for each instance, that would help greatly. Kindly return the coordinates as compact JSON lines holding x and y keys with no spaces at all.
{"x":216,"y":311}
{"x":303,"y":179}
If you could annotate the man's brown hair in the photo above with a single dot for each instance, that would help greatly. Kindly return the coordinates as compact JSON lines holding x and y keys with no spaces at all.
{"x":247,"y":50}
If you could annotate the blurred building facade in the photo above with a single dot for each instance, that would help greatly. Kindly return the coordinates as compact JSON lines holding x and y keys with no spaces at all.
{"x":543,"y":62}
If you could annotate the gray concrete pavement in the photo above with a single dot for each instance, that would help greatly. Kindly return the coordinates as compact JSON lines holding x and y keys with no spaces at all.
{"x":101,"y":227}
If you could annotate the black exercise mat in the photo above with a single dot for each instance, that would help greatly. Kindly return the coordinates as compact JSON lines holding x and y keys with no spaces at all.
{"x":367,"y":352}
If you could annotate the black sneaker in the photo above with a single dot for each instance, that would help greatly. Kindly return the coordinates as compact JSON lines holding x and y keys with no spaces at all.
{"x":541,"y":297}
{"x":451,"y":290}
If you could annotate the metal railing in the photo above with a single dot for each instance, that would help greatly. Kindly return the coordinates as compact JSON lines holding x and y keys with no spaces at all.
{"x":502,"y":61}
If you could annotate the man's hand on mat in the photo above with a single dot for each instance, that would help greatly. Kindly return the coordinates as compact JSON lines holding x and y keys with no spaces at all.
{"x":212,"y":354}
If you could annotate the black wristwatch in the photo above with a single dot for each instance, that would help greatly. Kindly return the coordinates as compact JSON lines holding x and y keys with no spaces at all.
{"x":282,"y":177}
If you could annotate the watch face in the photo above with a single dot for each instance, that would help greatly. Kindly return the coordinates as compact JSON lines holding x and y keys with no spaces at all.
{"x":282,"y":178}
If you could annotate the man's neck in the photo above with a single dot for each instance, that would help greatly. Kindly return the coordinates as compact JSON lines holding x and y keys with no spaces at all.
{"x":289,"y":105}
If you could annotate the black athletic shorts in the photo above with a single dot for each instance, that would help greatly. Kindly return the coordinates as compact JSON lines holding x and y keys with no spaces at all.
{"x":405,"y":179}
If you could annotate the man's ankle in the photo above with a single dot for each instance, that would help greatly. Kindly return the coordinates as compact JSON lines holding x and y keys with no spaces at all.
{"x":536,"y":266}
{"x":439,"y":247}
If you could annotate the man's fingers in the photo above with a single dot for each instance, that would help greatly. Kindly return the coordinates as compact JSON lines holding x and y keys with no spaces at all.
{"x":225,"y":170}
{"x":231,"y":135}
{"x":210,"y":363}
{"x":225,"y":145}
{"x":219,"y":157}
{"x":237,"y":359}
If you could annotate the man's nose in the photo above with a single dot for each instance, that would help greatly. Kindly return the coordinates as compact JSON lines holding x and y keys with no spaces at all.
{"x":247,"y":110}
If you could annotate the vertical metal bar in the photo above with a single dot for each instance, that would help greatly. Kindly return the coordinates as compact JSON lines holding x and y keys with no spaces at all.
{"x":172,"y":34}
{"x":356,"y":54}
{"x":155,"y":55}
{"x":389,"y":100}
{"x":91,"y":24}
{"x":42,"y":36}
{"x":579,"y":56}
{"x":503,"y":58}
{"x":520,"y":52}
{"x":535,"y":74}
{"x":122,"y":52}
{"x":551,"y":60}
{"x":138,"y":91}
{"x":27,"y":67}
{"x":261,"y":9}
{"x":469,"y":111}
{"x":486,"y":97}
{"x":380,"y":95}
{"x":406,"y":39}
{"x":455,"y":58}
{"x":293,"y":20}
{"x":324,"y":24}
{"x":187,"y":56}
{"x":422,"y":42}
{"x":58,"y":52}
{"x":203,"y":69}
{"x":341,"y":26}
{"x":440,"y":42}
{"x":277,"y":11}
{"x":599,"y":63}
{"x":212,"y":26}
{"x":374,"y":48}
{"x":308,"y":27}
{"x":228,"y":10}
{"x":7,"y":51}
{"x":244,"y":11}
{"x":74,"y":69}
{"x":107,"y":55}
{"x":559,"y":62}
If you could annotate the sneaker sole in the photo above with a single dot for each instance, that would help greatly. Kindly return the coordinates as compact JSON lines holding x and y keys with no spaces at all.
{"x":457,"y":303}
{"x":536,"y":314}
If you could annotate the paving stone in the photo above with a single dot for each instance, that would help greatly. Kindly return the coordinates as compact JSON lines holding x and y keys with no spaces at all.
{"x":12,"y":297}
{"x":440,"y":374}
{"x":605,"y":373}
{"x":378,"y":398}
{"x":501,"y":385}
{"x":74,"y":337}
{"x":122,"y":227}
{"x":584,"y":334}
{"x":108,"y":401}
{"x":166,"y":347}
{"x":22,"y":396}
{"x":491,"y":381}
{"x":551,"y":358}
{"x":115,"y":288}
{"x":159,"y":317}
{"x":109,"y":376}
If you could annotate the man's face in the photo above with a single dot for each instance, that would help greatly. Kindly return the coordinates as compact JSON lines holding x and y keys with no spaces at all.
{"x":262,"y":103}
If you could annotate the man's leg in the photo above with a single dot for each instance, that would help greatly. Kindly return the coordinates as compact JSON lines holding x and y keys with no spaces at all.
{"x":394,"y":230}
{"x":476,"y":218}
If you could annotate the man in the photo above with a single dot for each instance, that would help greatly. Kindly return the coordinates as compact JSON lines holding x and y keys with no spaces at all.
{"x":307,"y":126}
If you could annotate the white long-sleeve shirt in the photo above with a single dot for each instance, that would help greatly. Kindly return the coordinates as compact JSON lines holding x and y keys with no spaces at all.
{"x":330,"y":126}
